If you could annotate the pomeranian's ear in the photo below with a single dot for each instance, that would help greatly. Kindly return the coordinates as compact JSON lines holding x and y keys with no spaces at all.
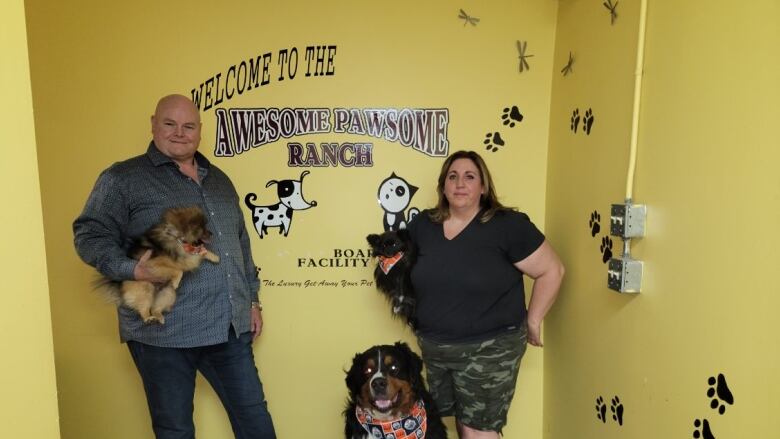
{"x":373,"y":239}
{"x":170,"y":229}
{"x":404,"y":234}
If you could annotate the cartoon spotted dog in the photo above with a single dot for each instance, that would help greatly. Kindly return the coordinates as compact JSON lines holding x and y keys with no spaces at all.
{"x":394,"y":196}
{"x":290,"y":195}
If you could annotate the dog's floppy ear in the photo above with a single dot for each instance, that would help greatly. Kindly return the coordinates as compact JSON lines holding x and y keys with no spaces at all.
{"x":373,"y":239}
{"x":414,"y":361}
{"x":354,"y":375}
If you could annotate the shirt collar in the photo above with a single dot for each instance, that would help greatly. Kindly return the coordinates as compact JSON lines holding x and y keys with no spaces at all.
{"x":157,"y":158}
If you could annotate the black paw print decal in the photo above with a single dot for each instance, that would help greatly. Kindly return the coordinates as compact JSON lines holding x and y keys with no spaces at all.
{"x":702,"y":430}
{"x":587,"y":121}
{"x":575,"y":119}
{"x":595,"y":226}
{"x":493,"y":141}
{"x":511,"y":115}
{"x":601,"y":409}
{"x":721,"y":389}
{"x":606,"y":249}
{"x":617,"y":410}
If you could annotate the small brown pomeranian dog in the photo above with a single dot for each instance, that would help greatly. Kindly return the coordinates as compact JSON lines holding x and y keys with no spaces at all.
{"x":177,"y":246}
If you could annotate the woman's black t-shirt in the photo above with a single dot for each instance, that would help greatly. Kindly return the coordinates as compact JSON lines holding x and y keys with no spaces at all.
{"x":468,"y":288}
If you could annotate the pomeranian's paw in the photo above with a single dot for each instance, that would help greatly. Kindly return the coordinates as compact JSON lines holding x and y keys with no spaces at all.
{"x":155,"y":319}
{"x":211,"y":257}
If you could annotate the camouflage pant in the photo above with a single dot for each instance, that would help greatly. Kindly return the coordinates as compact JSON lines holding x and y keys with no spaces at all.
{"x":475,"y":382}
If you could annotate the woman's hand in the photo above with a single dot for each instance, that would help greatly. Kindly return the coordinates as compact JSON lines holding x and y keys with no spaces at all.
{"x":535,"y":334}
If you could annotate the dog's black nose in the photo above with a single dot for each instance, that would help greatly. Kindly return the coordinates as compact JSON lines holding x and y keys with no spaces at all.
{"x":379,"y":385}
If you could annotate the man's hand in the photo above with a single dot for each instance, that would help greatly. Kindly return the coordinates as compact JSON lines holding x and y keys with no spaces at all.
{"x":141,"y":271}
{"x":257,"y":323}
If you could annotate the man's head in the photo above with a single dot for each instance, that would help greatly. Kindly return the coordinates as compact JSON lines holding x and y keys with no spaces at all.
{"x":176,"y":128}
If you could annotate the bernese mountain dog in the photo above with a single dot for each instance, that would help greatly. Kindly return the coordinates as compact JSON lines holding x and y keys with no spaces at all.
{"x":388,"y":398}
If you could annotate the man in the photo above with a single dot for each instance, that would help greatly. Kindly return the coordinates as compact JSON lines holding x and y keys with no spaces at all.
{"x":217,"y":313}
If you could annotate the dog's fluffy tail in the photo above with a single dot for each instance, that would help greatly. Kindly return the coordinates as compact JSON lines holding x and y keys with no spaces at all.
{"x":110,"y":290}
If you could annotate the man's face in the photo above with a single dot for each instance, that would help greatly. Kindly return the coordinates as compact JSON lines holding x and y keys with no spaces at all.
{"x":176,"y":128}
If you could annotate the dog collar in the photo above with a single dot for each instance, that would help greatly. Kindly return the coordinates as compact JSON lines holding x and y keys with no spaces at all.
{"x":386,"y":263}
{"x":412,"y":426}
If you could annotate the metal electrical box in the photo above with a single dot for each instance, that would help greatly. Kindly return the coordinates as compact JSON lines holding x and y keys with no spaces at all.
{"x":625,"y":275}
{"x":627,"y":220}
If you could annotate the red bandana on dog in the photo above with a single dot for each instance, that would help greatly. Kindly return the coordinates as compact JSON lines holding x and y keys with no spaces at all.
{"x":410,"y":427}
{"x":386,"y":263}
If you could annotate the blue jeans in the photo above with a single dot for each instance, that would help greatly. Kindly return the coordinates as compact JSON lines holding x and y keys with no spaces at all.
{"x":168,"y":375}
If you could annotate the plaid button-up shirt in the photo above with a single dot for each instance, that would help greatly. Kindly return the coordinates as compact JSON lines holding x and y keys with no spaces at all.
{"x":130,"y":197}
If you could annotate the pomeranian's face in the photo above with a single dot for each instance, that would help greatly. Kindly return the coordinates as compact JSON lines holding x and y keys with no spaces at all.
{"x":389,"y":243}
{"x":187,"y":224}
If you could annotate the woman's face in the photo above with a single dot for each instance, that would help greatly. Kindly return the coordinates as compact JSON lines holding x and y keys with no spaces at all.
{"x":463,"y":185}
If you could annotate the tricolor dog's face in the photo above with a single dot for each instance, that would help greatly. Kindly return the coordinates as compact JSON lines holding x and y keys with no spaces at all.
{"x":386,"y":380}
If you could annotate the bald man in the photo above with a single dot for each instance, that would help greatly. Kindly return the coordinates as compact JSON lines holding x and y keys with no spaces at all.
{"x":217,"y":314}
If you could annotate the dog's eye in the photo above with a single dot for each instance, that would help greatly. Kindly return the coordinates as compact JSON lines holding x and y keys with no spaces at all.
{"x":369,"y":371}
{"x":393,"y":368}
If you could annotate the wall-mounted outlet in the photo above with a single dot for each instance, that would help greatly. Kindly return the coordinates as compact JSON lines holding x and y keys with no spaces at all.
{"x":627,"y":220}
{"x":624,"y":275}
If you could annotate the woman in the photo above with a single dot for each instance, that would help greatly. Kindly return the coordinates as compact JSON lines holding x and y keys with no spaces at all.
{"x":473,"y":324}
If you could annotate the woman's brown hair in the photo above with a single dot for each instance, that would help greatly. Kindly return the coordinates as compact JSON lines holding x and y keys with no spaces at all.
{"x":488,"y":202}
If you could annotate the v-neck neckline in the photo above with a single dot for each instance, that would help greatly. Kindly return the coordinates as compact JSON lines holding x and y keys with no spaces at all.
{"x":460,"y":232}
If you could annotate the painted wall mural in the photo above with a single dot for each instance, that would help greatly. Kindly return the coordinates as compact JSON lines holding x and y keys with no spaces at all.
{"x":421,"y":129}
{"x":394,"y":196}
{"x":290,"y":195}
{"x":253,"y":73}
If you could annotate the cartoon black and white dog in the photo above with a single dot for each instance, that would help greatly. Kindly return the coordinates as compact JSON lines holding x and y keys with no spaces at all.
{"x":394,"y":196}
{"x":290,"y":193}
{"x":388,"y":397}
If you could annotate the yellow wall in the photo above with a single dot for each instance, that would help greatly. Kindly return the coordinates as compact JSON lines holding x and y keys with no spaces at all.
{"x":706,"y":160}
{"x":98,"y":69}
{"x":707,"y":172}
{"x":28,"y":393}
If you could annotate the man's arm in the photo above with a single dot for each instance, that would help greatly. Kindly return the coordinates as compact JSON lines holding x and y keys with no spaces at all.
{"x":98,"y":232}
{"x":252,"y":277}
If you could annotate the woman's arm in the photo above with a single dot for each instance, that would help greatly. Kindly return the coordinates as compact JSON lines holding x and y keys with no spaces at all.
{"x":546,"y":269}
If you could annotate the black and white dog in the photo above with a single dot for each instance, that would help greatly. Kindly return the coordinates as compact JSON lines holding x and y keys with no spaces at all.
{"x":290,"y":193}
{"x":388,"y":398}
